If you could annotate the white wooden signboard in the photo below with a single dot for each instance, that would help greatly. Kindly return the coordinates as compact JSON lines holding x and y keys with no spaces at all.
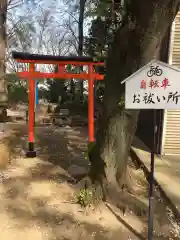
{"x":154,"y":86}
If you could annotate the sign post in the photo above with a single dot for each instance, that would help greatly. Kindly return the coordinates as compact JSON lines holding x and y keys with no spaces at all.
{"x":151,"y":179}
{"x":154,"y":86}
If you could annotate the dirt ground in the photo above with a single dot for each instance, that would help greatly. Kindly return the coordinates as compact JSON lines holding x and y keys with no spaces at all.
{"x":38,"y":196}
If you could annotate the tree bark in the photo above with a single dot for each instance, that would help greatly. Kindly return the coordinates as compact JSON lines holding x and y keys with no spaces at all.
{"x":137,"y":41}
{"x":3,"y":87}
{"x":81,"y":40}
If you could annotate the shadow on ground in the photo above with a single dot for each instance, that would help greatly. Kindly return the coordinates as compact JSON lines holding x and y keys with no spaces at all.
{"x":35,"y":194}
{"x":59,"y":146}
{"x":56,"y":225}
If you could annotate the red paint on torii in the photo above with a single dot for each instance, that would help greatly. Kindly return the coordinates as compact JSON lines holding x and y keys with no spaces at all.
{"x":61,"y":61}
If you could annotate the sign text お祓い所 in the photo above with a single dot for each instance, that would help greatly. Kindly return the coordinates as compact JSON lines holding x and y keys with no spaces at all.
{"x":149,"y":98}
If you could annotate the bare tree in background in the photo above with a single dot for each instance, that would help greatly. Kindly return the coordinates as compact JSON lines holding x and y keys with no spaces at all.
{"x":81,"y":38}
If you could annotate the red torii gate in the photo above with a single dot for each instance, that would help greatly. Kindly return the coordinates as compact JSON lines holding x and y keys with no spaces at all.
{"x":61,"y":61}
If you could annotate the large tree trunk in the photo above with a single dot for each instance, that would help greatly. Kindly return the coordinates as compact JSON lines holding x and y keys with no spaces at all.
{"x":136,"y":42}
{"x":3,"y":89}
